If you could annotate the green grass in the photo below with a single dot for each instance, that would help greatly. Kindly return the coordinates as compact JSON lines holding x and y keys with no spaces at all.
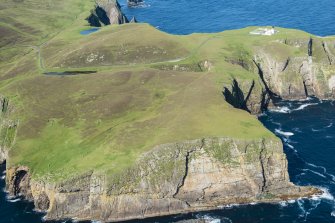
{"x":106,"y":120}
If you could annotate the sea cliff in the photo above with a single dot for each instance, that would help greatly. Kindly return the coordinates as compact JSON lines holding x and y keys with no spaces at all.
{"x":106,"y":12}
{"x":172,"y":178}
{"x":290,"y":69}
{"x":148,"y":123}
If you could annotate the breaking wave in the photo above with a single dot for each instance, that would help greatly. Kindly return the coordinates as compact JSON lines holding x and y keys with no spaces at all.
{"x":280,"y":109}
{"x":14,"y":200}
{"x":285,"y":134}
{"x":290,"y":108}
{"x":213,"y":219}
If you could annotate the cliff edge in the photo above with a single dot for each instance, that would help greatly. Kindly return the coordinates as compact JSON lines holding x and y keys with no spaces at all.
{"x":172,"y":178}
{"x":148,"y":123}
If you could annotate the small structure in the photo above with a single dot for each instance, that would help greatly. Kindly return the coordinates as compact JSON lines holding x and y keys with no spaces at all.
{"x":264,"y":31}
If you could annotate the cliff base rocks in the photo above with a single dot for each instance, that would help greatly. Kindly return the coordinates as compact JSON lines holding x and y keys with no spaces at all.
{"x":172,"y":178}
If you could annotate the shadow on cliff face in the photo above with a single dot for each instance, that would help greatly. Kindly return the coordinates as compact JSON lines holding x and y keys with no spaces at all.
{"x":98,"y":16}
{"x":236,"y":97}
{"x":21,"y":178}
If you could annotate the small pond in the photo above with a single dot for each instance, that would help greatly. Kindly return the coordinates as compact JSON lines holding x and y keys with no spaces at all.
{"x":89,"y":31}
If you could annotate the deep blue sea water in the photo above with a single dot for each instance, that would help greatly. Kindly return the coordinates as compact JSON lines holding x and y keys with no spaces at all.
{"x":188,"y":16}
{"x":307,"y":128}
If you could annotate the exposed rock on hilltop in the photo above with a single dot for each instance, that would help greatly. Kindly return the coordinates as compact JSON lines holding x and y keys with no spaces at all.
{"x":107,"y":12}
{"x":172,"y":178}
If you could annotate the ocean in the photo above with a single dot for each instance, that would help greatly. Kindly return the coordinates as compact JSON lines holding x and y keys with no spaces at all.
{"x":189,"y":16}
{"x":307,"y":128}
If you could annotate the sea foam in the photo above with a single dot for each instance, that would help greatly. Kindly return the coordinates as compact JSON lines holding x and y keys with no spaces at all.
{"x":301,"y":107}
{"x":209,"y":219}
{"x":286,"y":134}
{"x":14,"y":200}
{"x":280,"y":109}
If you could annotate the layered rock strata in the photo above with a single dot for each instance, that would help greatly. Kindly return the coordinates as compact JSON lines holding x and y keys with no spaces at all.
{"x":173,"y":178}
{"x":285,"y":75}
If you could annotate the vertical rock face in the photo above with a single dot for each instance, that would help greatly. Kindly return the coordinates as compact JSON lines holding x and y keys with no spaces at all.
{"x":172,"y":178}
{"x":309,"y":71}
{"x":18,"y":182}
{"x":7,"y":129}
{"x":107,"y":12}
{"x":133,"y":20}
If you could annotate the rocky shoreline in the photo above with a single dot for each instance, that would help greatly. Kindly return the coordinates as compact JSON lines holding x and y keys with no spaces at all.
{"x":198,"y":180}
{"x":284,"y":77}
{"x":191,"y":175}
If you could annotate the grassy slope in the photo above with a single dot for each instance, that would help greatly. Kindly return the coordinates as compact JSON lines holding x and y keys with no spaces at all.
{"x":105,"y":121}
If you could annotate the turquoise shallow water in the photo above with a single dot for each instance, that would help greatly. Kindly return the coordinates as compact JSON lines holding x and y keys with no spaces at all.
{"x":307,"y":128}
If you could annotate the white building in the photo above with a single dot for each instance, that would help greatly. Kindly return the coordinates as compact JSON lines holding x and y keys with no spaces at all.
{"x":264,"y":31}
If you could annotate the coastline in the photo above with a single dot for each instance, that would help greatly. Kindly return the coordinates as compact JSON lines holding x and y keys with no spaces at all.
{"x":46,"y":196}
{"x":221,"y":207}
{"x":172,"y":176}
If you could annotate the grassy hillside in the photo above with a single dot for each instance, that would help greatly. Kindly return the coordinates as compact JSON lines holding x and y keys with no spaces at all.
{"x":147,"y":88}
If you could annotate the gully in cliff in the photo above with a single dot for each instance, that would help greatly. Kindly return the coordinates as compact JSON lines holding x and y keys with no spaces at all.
{"x":198,"y":175}
{"x":131,"y":122}
{"x":107,"y":12}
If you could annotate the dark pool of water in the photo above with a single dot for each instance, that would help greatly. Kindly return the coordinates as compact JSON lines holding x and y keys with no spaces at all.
{"x":69,"y":73}
{"x":89,"y":31}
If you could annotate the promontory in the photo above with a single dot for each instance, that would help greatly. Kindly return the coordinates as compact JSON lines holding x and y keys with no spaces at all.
{"x":123,"y":121}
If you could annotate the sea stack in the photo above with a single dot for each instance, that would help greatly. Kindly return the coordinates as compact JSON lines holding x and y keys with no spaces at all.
{"x":133,"y":20}
{"x":107,"y":12}
{"x":132,"y":3}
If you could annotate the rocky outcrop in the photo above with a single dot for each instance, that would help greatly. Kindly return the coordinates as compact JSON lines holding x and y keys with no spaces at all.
{"x":107,"y":12}
{"x":281,"y":74}
{"x":250,"y":96}
{"x":7,"y":128}
{"x":133,"y":20}
{"x":173,"y":178}
{"x":133,"y":3}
